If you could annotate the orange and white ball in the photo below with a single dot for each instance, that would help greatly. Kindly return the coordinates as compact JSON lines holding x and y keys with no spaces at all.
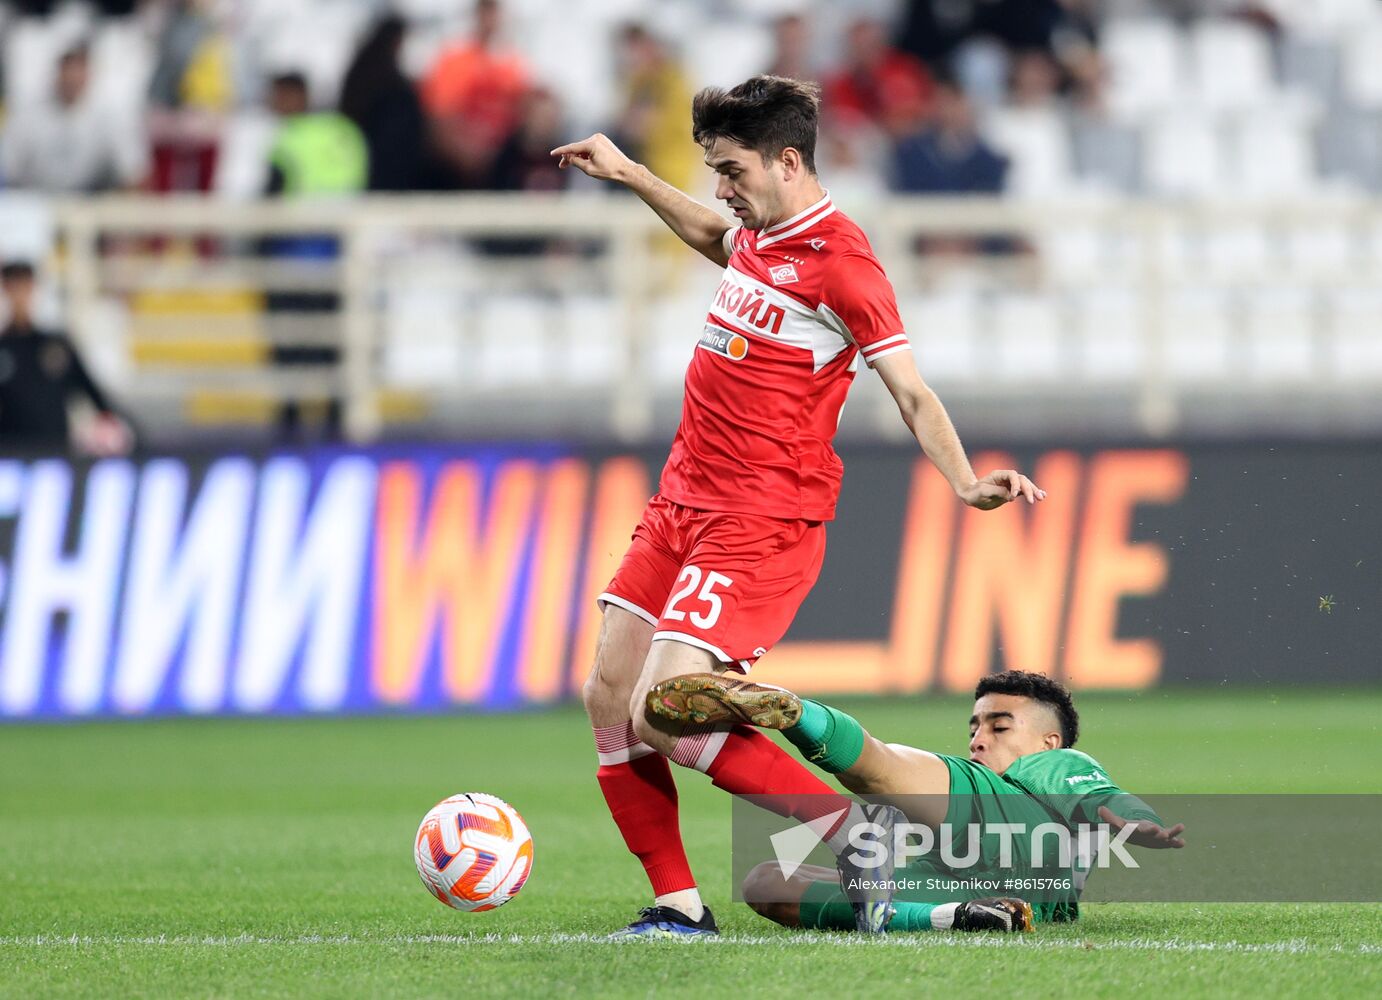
{"x":473,"y":851}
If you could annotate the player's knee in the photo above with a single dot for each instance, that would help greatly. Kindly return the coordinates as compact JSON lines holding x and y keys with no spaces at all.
{"x":763,"y":890}
{"x":600,"y":694}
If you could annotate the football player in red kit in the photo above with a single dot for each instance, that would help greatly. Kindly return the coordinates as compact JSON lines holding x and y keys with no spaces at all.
{"x":728,"y":548}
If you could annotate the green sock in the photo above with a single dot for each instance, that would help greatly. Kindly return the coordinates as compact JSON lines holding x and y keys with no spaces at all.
{"x":827,"y":737}
{"x":911,"y":917}
{"x":824,"y":907}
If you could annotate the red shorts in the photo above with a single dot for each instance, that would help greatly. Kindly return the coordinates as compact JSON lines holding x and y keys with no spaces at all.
{"x":728,"y":583}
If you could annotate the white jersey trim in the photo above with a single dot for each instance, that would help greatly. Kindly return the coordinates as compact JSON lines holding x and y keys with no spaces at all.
{"x":871,"y":358}
{"x":779,"y":237}
{"x":878,"y":345}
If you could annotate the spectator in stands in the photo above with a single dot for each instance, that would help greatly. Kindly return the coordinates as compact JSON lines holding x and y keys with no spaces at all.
{"x":792,"y":48}
{"x":382,"y":102}
{"x":525,"y":163}
{"x":878,"y":84}
{"x":190,"y":91}
{"x":656,"y":117}
{"x":192,"y":67}
{"x":314,"y":152}
{"x":948,"y":156}
{"x":474,"y":95}
{"x":69,"y":143}
{"x":1034,"y":80}
{"x":41,"y":374}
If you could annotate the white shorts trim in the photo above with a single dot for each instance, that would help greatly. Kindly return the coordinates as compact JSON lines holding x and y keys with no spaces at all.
{"x":619,"y":602}
{"x":691,"y":640}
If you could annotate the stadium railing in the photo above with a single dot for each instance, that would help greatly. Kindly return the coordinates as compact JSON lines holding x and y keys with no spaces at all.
{"x":574,"y":315}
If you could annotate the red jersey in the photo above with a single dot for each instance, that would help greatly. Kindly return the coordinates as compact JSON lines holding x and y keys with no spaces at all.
{"x":799,"y":304}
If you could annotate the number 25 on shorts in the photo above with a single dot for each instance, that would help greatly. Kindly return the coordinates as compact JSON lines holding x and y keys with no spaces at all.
{"x":690,"y":579}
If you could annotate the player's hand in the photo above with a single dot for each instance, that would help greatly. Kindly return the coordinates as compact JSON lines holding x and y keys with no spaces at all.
{"x":1000,"y":487}
{"x":596,"y":157}
{"x":1147,"y":833}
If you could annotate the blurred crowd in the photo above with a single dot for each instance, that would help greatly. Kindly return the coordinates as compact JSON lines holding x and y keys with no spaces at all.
{"x":950,"y":96}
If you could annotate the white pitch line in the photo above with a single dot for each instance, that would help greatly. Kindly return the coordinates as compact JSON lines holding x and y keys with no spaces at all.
{"x":914,"y":941}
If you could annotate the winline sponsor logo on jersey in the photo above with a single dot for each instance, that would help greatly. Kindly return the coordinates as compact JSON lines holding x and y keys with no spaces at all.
{"x":734,"y":346}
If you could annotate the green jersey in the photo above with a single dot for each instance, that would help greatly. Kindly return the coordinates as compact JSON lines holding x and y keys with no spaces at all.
{"x":1065,"y":787}
{"x":1074,"y":786}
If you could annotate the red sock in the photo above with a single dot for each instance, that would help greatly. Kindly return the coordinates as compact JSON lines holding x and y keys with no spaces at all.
{"x":642,"y":798}
{"x":748,"y":763}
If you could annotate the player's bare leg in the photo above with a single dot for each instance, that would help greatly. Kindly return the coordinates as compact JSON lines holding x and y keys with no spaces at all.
{"x":620,"y":652}
{"x":773,"y":895}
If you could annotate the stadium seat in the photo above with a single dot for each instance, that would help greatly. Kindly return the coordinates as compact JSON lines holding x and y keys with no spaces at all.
{"x":1232,"y":65}
{"x":423,"y":345}
{"x":1280,"y":346}
{"x":943,"y":328}
{"x":31,"y":49}
{"x":1027,"y":337}
{"x":26,"y":226}
{"x":1038,"y":142}
{"x":592,"y":345}
{"x":242,"y":162}
{"x":510,"y":341}
{"x":981,"y":66}
{"x":122,"y":64}
{"x":1274,"y":155}
{"x":1361,"y":69}
{"x":1146,"y":62}
{"x":1198,"y":335}
{"x":723,"y":55}
{"x":674,"y":327}
{"x":1183,"y":156}
{"x":319,"y":44}
{"x":1320,"y":250}
{"x":587,"y":86}
{"x":1106,"y":154}
{"x":1236,"y":250}
{"x":1109,"y":330}
{"x":1355,"y":347}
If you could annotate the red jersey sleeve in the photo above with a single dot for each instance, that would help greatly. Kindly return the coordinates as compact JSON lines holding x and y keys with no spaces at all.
{"x":861,"y":298}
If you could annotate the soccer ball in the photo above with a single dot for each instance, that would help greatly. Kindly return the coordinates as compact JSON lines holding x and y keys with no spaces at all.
{"x":473,"y":851}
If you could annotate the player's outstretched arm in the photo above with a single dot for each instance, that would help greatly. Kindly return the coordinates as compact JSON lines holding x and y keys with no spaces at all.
{"x":700,"y":227}
{"x":1146,"y":832}
{"x":925,"y":415}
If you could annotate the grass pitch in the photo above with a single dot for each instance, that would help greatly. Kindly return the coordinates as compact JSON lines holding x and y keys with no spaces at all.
{"x":221,"y":857}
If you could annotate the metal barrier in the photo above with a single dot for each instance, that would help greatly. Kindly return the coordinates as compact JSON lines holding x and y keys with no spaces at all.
{"x":574,"y":315}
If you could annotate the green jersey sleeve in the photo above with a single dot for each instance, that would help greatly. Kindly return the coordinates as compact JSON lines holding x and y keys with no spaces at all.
{"x":1074,"y":785}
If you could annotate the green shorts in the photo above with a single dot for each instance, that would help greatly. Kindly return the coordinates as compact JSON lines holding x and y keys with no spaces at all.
{"x":978,"y":796}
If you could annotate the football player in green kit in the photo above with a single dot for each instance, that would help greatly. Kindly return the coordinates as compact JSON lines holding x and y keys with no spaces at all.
{"x":1021,"y":768}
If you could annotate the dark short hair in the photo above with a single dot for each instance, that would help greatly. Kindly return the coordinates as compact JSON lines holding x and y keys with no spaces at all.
{"x":79,"y":49}
{"x":15,"y":270}
{"x":292,"y":79}
{"x":1040,"y":688}
{"x":766,"y":114}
